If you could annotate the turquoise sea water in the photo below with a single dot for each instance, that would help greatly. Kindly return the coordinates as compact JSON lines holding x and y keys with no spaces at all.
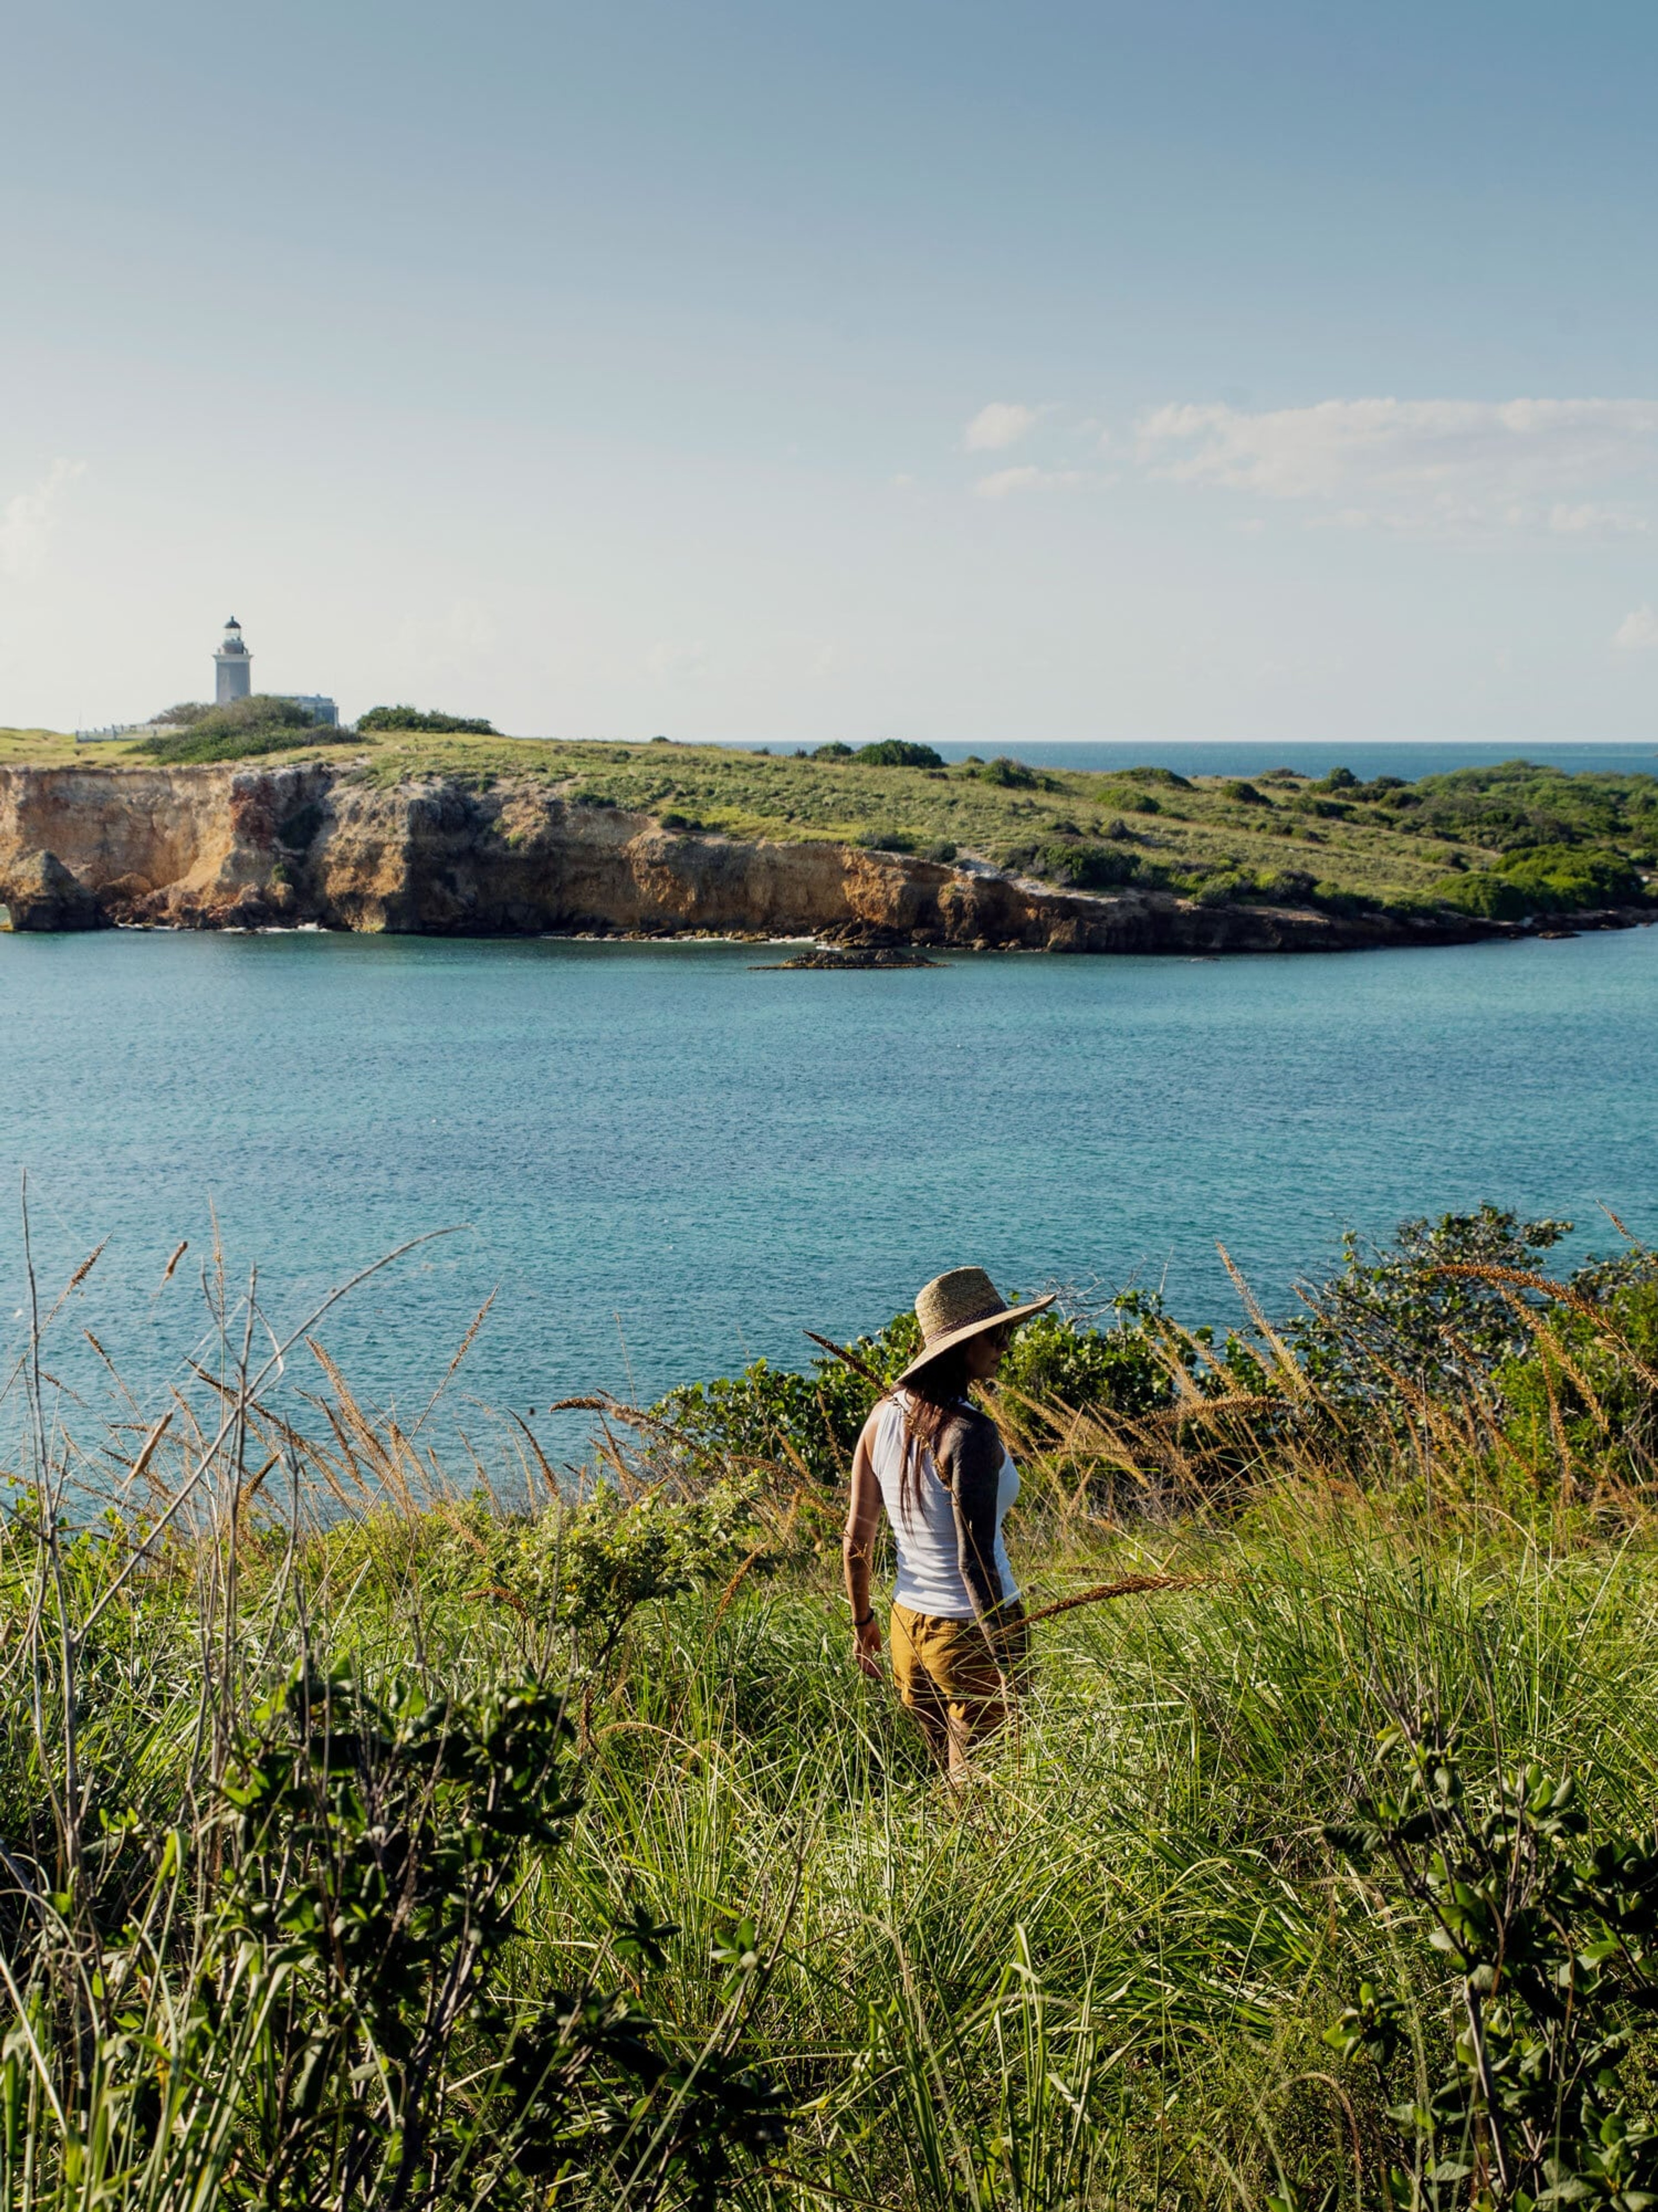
{"x":666,"y":1163}
{"x":1405,"y":757}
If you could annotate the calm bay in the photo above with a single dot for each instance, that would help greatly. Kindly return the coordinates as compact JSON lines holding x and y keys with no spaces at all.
{"x":663,"y":1162}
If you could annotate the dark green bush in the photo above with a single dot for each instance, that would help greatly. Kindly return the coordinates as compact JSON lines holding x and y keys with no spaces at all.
{"x":1291,"y":886}
{"x":1395,"y":1322}
{"x":1009,"y":774}
{"x":1561,"y":878}
{"x":834,"y":750}
{"x":412,"y":718}
{"x":1543,"y":879}
{"x":1223,"y":890}
{"x":1081,"y":866}
{"x":1242,"y":792}
{"x":897,"y":752}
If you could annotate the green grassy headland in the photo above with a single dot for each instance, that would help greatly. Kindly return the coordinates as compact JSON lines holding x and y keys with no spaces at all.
{"x":1502,"y":841}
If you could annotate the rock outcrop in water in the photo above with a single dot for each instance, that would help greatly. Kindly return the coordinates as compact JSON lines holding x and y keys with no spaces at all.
{"x":246,"y":846}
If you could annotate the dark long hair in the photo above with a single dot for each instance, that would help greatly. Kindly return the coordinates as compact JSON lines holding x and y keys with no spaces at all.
{"x":933,"y":1395}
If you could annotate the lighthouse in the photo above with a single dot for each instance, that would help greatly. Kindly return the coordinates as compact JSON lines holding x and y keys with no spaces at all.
{"x":233,"y":665}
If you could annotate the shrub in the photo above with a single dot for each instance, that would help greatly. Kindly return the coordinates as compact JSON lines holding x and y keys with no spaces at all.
{"x":181,"y":716}
{"x":1165,"y":778}
{"x":1130,"y":801}
{"x":1544,"y":1940}
{"x":1224,"y":889}
{"x":1585,"y":1383}
{"x":1292,"y":886}
{"x":1242,"y":792}
{"x":240,"y":730}
{"x":1080,"y":868}
{"x":1543,"y":879}
{"x":432,"y":721}
{"x":1008,"y":775}
{"x":897,"y":752}
{"x":1561,"y":877}
{"x":1394,"y":1322}
{"x":834,"y":750}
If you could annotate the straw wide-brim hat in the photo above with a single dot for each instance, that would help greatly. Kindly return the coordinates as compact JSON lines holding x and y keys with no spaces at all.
{"x":962,"y":1304}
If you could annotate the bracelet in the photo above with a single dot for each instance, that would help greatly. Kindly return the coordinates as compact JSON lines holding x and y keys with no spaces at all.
{"x":866,"y":1619}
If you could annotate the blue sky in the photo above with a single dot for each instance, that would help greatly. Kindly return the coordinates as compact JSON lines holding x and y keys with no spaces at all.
{"x":783,"y":373}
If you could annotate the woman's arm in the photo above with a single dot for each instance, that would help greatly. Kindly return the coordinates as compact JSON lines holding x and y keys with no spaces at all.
{"x":970,"y":1460}
{"x":858,"y":1554}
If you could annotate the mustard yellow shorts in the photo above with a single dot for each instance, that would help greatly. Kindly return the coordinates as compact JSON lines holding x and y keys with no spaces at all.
{"x":943,"y":1669}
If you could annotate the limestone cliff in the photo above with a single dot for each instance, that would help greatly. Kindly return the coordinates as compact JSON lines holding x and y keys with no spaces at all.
{"x":247,"y":847}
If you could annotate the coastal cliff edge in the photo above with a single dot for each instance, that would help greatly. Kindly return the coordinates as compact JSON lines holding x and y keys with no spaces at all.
{"x":246,"y":846}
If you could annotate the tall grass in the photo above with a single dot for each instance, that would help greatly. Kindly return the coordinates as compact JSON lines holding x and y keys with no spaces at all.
{"x":367,"y":1845}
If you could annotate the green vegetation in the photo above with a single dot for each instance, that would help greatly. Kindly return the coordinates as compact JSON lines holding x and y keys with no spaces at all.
{"x":370,"y":1845}
{"x":1545,"y":879}
{"x":242,"y":729}
{"x":1499,"y":843}
{"x":44,"y":748}
{"x":895,"y":752}
{"x":412,"y":718}
{"x":1546,"y":840}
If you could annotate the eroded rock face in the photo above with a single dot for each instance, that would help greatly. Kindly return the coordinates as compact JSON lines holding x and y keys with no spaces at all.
{"x":39,"y":892}
{"x":228,"y":846}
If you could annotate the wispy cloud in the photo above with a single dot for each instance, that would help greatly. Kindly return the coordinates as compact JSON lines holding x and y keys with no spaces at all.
{"x":1001,"y":424}
{"x":1638,"y":632}
{"x":1003,"y":482}
{"x":26,"y":519}
{"x":1587,"y":520}
{"x":1426,"y":464}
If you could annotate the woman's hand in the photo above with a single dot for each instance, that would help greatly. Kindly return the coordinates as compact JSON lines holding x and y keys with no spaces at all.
{"x":866,"y":1648}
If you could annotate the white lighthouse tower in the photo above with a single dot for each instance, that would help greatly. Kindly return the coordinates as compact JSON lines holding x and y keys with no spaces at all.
{"x":233,"y":665}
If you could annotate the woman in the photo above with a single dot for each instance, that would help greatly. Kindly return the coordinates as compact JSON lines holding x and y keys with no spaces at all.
{"x":938,"y":1467}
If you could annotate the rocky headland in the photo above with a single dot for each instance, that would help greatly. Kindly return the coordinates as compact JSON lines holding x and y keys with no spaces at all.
{"x":234,"y":847}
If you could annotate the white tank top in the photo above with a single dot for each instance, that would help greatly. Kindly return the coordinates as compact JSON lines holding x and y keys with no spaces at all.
{"x":929,"y":1574}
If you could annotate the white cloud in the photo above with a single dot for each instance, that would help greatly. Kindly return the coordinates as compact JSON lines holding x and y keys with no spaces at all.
{"x":1588,"y":520}
{"x":1003,"y":423}
{"x":1005,"y":482}
{"x":1638,"y":632}
{"x":1423,"y":464}
{"x":26,"y":519}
